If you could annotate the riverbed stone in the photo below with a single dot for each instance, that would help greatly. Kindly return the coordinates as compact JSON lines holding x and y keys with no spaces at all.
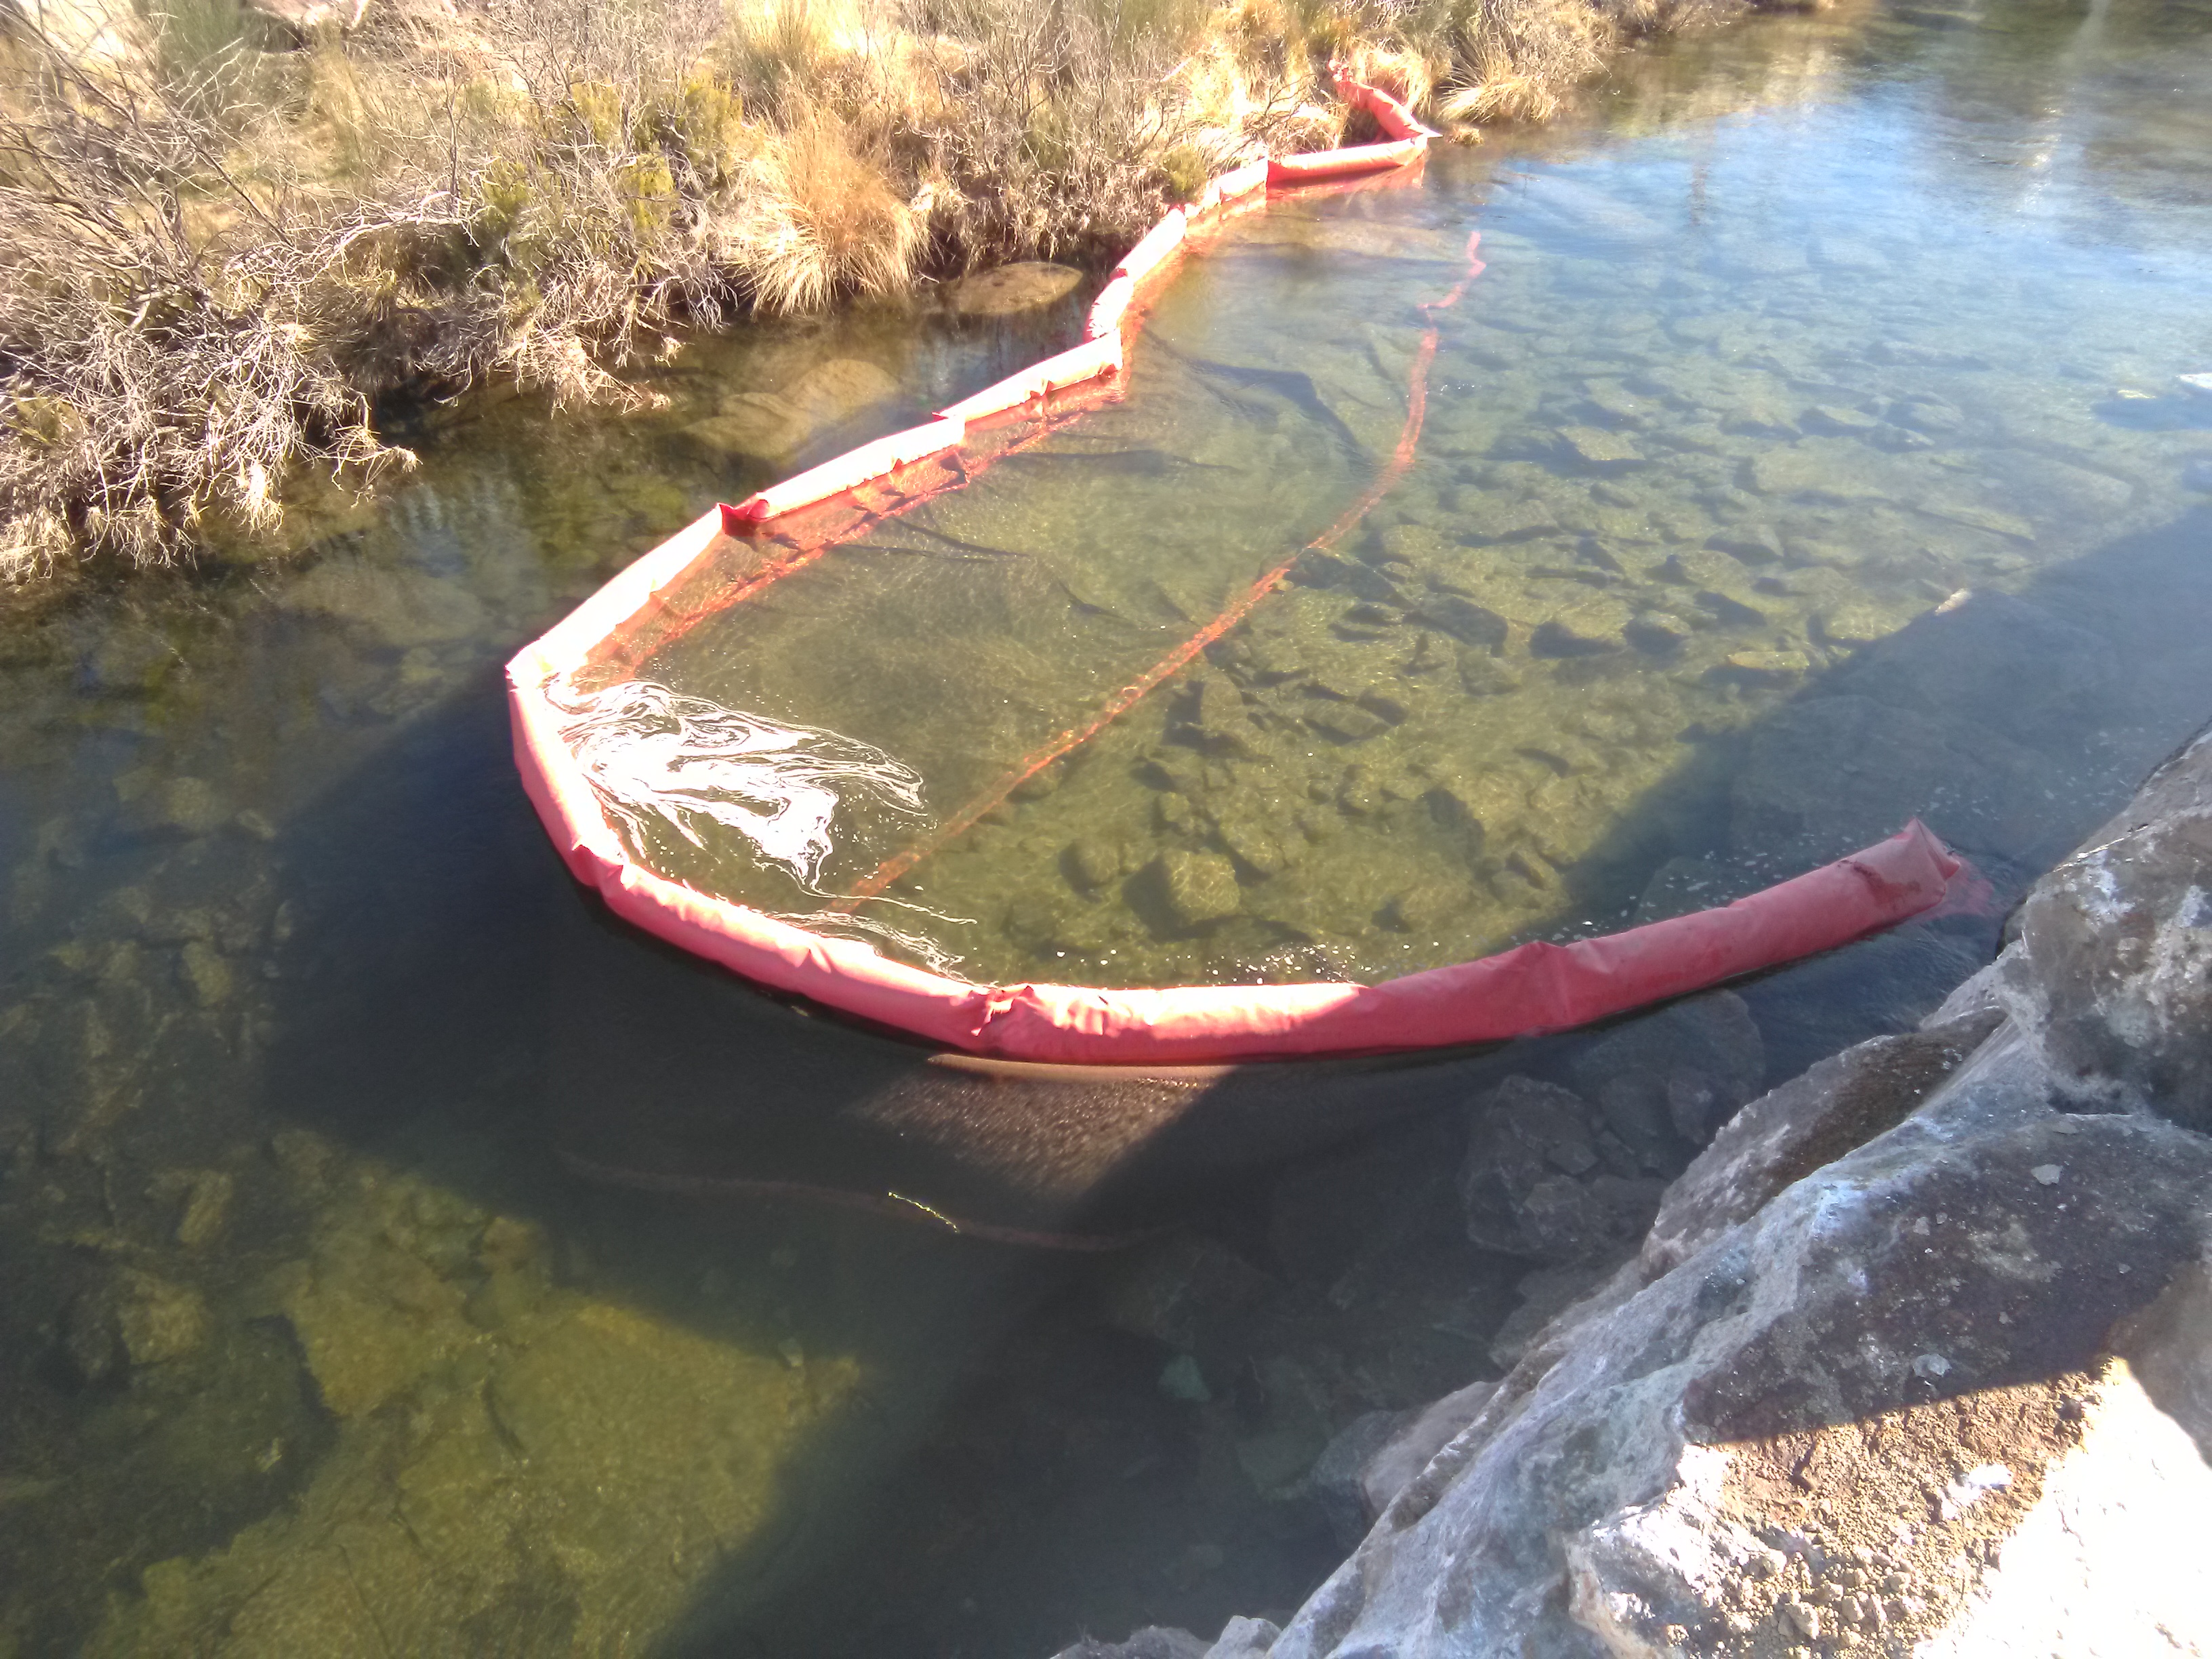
{"x":749,"y":427}
{"x":1535,"y":1183}
{"x":1839,"y":421}
{"x":371,"y":1316}
{"x":191,"y":806}
{"x":1768,"y":669}
{"x":396,"y":607}
{"x":1502,"y":520}
{"x":1598,"y":449}
{"x":1680,"y":1073}
{"x":1924,"y":412}
{"x":834,"y":392}
{"x":1849,"y":626}
{"x":1335,"y":1481}
{"x":1753,"y":544}
{"x":1592,"y":626}
{"x":206,"y":1197}
{"x":1091,"y":862}
{"x":1199,"y":888}
{"x":1007,"y":290}
{"x":1152,"y":1642}
{"x":1660,"y":632}
{"x":158,"y":1320}
{"x":1178,"y":1291}
{"x":1825,"y":469}
{"x":1464,"y":620}
{"x":755,"y":425}
{"x":1346,"y":722}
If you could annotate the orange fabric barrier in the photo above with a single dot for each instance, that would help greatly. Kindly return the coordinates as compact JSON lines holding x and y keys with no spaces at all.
{"x":1393,"y":116}
{"x":1235,"y":186}
{"x":1084,"y":362}
{"x":1153,"y":249}
{"x":1107,"y":310}
{"x":1292,"y":170}
{"x":1534,"y":988}
{"x":872,"y":460}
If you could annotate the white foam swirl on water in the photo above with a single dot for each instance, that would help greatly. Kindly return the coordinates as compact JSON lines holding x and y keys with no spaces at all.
{"x":650,"y":754}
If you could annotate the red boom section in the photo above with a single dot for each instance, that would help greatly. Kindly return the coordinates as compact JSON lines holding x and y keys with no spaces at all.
{"x":1535,"y":987}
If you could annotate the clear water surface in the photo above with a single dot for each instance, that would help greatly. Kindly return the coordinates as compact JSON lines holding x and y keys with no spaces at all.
{"x":1810,"y":451}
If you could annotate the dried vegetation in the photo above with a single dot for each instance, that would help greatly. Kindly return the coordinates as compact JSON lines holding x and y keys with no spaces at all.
{"x":224,"y":237}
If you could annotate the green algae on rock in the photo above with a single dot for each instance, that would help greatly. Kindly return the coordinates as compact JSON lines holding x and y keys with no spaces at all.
{"x":534,"y":1469}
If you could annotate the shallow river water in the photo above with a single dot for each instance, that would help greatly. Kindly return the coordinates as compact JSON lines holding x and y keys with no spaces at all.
{"x":1810,"y":453}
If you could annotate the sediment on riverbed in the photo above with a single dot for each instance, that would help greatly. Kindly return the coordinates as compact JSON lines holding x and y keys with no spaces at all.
{"x":227,"y":233}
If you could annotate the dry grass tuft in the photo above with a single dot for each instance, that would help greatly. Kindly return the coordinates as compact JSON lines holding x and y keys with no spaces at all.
{"x":818,"y":219}
{"x":219,"y":246}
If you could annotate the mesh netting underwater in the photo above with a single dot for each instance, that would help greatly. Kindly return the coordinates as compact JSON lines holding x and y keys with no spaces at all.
{"x":1009,"y":700}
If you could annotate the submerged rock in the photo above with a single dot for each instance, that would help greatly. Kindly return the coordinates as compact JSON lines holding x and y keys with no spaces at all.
{"x":397,"y":608}
{"x":1464,"y":620}
{"x":136,"y":1319}
{"x":1596,"y":448}
{"x":1535,"y":1183}
{"x":1686,"y":1069}
{"x":750,"y":427}
{"x":1199,"y":887}
{"x":1027,"y":285}
{"x":1153,"y":1642}
{"x":768,"y":428}
{"x":1825,"y":469}
{"x":1591,"y":627}
{"x":1509,"y":521}
{"x":1178,"y":1291}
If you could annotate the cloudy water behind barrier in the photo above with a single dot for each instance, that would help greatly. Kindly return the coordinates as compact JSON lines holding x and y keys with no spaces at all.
{"x":309,"y":1340}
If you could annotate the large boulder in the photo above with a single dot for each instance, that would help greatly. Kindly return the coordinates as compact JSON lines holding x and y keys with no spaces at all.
{"x":1894,"y":1400}
{"x":2111,"y":975}
{"x":1545,"y":1180}
{"x":1840,"y":1104}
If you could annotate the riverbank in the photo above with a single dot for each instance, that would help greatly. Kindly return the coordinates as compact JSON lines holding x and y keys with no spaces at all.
{"x":229,"y":236}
